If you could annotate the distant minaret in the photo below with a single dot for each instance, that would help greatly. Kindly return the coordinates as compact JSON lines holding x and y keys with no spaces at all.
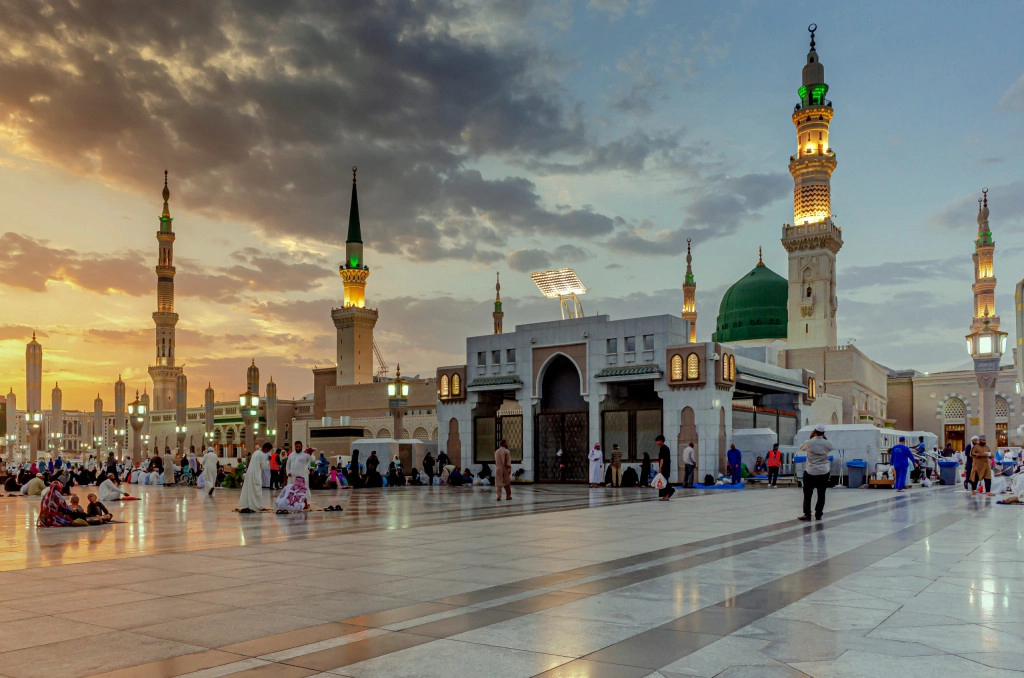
{"x":97,"y":420}
{"x":12,"y":417}
{"x":813,"y":240}
{"x":353,"y":320}
{"x":252,"y":378}
{"x":144,"y":400}
{"x":33,"y":376}
{"x":498,"y":314}
{"x":208,"y":401}
{"x":689,"y":296}
{"x":271,"y":401}
{"x":120,"y":414}
{"x":163,"y":371}
{"x":56,"y":400}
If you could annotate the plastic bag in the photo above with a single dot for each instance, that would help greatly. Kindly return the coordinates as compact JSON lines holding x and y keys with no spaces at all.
{"x":659,"y":482}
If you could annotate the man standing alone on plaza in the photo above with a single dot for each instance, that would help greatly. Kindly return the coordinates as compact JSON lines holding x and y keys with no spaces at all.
{"x":981,"y":466}
{"x":251,"y":499}
{"x":503,"y":470}
{"x":664,"y":468}
{"x":774,"y":465}
{"x":210,"y":471}
{"x":816,"y":473}
{"x":902,"y":458}
{"x":616,"y":466}
{"x":689,"y":465}
{"x":735,"y":460}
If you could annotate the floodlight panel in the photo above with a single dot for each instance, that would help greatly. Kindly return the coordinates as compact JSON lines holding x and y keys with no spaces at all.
{"x":558,"y":283}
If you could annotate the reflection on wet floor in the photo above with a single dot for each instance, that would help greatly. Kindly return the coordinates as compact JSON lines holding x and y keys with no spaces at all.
{"x":176,"y":519}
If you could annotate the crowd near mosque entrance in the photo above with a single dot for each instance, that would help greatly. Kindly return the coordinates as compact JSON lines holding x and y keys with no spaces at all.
{"x":561,"y":423}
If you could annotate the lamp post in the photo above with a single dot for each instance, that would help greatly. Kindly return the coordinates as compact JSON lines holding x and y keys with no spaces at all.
{"x":146,"y":438}
{"x":986,"y":346}
{"x":181,"y":432}
{"x":250,"y":405}
{"x":136,"y":417}
{"x":398,"y":398}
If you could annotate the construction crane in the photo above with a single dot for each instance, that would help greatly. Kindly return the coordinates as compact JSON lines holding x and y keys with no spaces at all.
{"x":382,"y":367}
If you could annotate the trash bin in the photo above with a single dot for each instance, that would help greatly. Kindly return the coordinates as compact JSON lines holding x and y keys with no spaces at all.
{"x":948,"y":472}
{"x":799,"y":464}
{"x":857,"y":471}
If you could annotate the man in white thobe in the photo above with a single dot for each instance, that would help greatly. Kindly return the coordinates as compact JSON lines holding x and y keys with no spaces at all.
{"x":252,"y":488}
{"x":168,"y":468}
{"x":109,"y":491}
{"x":596,"y":458}
{"x":210,"y":471}
{"x":298,"y":466}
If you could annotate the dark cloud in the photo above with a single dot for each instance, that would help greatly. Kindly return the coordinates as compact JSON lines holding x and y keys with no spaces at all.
{"x":20,"y":332}
{"x":530,"y":260}
{"x":719,"y":209}
{"x":260,"y":108}
{"x":29,"y":264}
{"x":630,"y":153}
{"x":899,"y":272}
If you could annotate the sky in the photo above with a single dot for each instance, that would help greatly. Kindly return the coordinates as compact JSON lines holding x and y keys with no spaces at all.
{"x":499,"y":136}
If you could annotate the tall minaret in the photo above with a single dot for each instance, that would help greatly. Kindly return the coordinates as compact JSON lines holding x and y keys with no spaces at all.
{"x":271,"y":402}
{"x":985,"y":341}
{"x":208,"y":401}
{"x":180,"y":409}
{"x":120,"y":416}
{"x":252,"y":378}
{"x":1018,"y":350}
{"x":813,"y":240}
{"x":498,"y":314}
{"x":690,"y":295}
{"x":97,"y":423}
{"x":163,"y":371}
{"x":353,"y":320}
{"x":33,"y":376}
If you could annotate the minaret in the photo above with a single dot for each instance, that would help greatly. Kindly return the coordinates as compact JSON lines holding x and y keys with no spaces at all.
{"x":56,"y":423}
{"x":271,"y":400}
{"x":144,"y":399}
{"x":985,"y":342}
{"x":689,"y":295}
{"x":163,"y":371}
{"x":208,"y":402}
{"x":498,"y":314}
{"x":12,"y":420}
{"x":813,"y":240}
{"x":353,"y":320}
{"x":33,"y":376}
{"x":97,"y":424}
{"x":180,"y":407}
{"x":252,"y":378}
{"x":120,"y":416}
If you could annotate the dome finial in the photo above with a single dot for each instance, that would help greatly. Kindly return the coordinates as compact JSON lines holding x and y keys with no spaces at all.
{"x":760,"y":259}
{"x":811,"y":29}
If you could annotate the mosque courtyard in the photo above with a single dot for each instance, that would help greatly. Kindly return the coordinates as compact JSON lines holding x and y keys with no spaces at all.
{"x":564,"y":581}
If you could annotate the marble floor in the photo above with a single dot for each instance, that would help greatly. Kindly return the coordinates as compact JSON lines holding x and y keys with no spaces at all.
{"x":562,"y":582}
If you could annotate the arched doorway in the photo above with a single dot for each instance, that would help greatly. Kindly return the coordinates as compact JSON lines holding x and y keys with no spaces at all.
{"x":562,"y":423}
{"x":687,"y":433}
{"x":954,"y":419}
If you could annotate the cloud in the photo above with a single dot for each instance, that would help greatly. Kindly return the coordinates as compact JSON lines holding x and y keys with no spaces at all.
{"x":1012,"y":100}
{"x":29,"y":264}
{"x":529,"y":260}
{"x":259,"y":110}
{"x":1006,"y":207}
{"x":20,"y":332}
{"x":721,"y":207}
{"x":893,"y":273}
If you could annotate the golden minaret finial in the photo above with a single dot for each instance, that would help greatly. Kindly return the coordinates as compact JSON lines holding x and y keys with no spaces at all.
{"x":760,"y":259}
{"x":167,"y":196}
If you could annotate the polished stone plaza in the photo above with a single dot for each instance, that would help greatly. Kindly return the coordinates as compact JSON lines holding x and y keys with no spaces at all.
{"x":563,"y":581}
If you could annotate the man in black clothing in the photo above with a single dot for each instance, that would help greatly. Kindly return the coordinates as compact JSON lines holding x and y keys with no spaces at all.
{"x":664,"y":467}
{"x":428,"y":467}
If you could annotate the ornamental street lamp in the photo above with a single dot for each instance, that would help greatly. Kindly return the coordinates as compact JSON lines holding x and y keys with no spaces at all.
{"x":181,"y":432}
{"x":986,"y":346}
{"x":146,"y":438}
{"x":398,"y":399}
{"x":136,"y":417}
{"x":250,"y":406}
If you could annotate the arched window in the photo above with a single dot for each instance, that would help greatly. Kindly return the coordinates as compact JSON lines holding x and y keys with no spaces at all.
{"x":954,"y":408}
{"x":808,"y":292}
{"x":732,"y":367}
{"x":1002,"y":408}
{"x":676,"y":370}
{"x":444,"y":386}
{"x":812,"y":388}
{"x":456,"y":385}
{"x":692,"y":366}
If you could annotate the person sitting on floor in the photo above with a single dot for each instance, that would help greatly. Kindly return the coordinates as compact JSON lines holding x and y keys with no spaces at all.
{"x":455,"y":478}
{"x":759,"y":466}
{"x":12,"y":484}
{"x":414,"y":477}
{"x":76,"y":508}
{"x":54,"y":510}
{"x":97,"y":510}
{"x":109,"y":491}
{"x":34,"y":487}
{"x":293,"y":497}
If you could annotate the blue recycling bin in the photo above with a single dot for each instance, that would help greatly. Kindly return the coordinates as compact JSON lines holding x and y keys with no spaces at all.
{"x":856,"y":471}
{"x":948,"y":472}
{"x":799,"y":464}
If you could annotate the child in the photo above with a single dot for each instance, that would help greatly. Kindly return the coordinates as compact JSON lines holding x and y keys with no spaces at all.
{"x":97,"y":509}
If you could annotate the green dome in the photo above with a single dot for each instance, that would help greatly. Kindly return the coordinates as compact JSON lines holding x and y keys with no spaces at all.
{"x":755,"y":307}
